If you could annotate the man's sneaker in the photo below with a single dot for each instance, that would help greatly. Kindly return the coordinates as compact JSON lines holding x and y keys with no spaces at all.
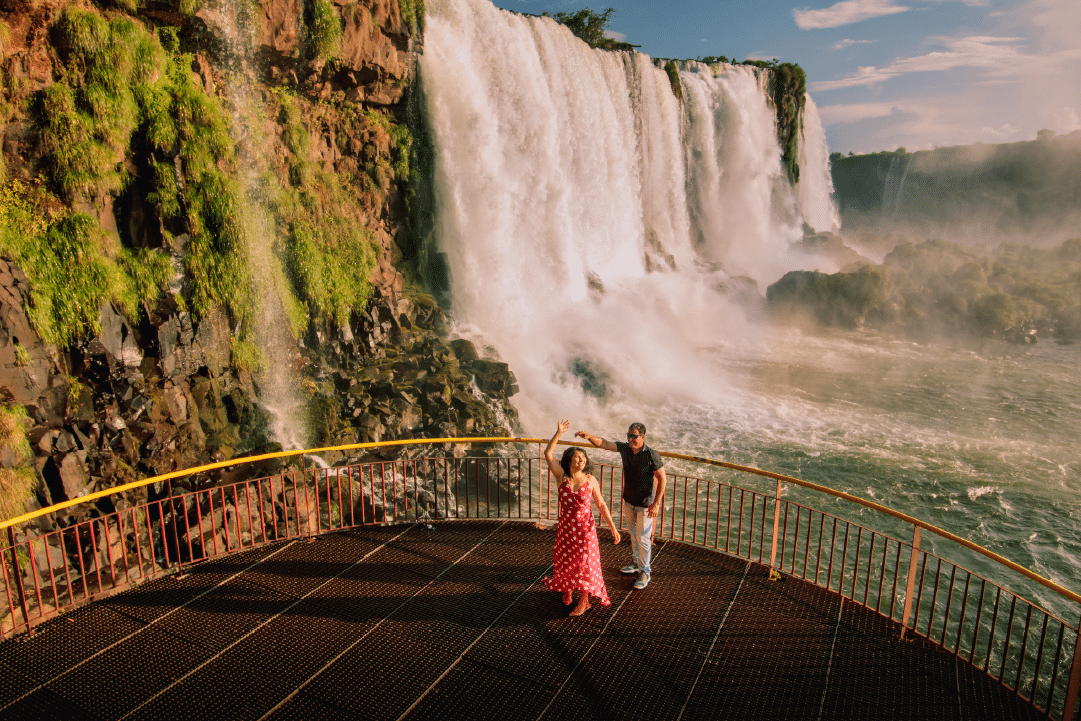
{"x":629,"y":569}
{"x":643,"y":581}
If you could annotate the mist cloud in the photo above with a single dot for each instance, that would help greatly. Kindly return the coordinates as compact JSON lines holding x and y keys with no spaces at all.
{"x":845,"y":13}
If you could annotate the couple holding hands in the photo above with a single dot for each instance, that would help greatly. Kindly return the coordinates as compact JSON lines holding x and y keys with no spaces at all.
{"x":577,"y":557}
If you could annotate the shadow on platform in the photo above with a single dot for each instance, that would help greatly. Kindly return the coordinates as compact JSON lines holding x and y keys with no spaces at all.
{"x":452,"y":621}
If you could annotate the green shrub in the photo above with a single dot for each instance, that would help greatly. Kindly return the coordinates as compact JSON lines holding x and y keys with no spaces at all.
{"x":413,"y":16}
{"x":326,"y":30}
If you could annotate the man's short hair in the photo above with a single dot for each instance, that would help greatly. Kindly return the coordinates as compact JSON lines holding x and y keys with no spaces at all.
{"x":638,"y":427}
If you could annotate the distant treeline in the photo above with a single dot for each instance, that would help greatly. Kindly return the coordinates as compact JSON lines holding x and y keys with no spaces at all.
{"x":981,"y":194}
{"x":937,"y":289}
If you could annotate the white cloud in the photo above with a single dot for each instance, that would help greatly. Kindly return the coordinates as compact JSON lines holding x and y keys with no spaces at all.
{"x":1001,"y":58}
{"x":846,"y":43}
{"x":845,"y":13}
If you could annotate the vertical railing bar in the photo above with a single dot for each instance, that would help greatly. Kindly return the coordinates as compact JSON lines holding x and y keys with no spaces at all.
{"x":818,"y":552}
{"x":833,"y":550}
{"x":1006,"y":647}
{"x":934,"y":598}
{"x":844,"y":560}
{"x":870,"y":565}
{"x":108,"y":554}
{"x":149,"y":537}
{"x":82,"y":564}
{"x":784,"y":537}
{"x":739,"y":531}
{"x":697,"y":498}
{"x":1024,"y":647}
{"x":776,"y":525}
{"x":949,"y":605}
{"x":34,"y":575}
{"x":123,"y":545}
{"x":882,"y":572}
{"x":1054,"y":665}
{"x":202,"y":535}
{"x":919,"y":601}
{"x":1075,"y":680}
{"x":8,"y":583}
{"x":991,"y":632}
{"x":341,"y":498}
{"x":856,"y":563}
{"x":296,"y":501}
{"x":17,"y":573}
{"x":94,"y":550}
{"x":1039,"y":659}
{"x":262,"y":513}
{"x":976,"y":626}
{"x":964,"y":608}
{"x":224,"y":522}
{"x":762,"y":529}
{"x":138,"y":550}
{"x":383,"y":486}
{"x":352,"y":504}
{"x":807,"y":543}
{"x":728,"y":523}
{"x":896,"y":575}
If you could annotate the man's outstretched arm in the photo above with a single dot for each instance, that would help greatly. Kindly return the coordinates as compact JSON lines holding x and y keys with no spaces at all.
{"x":596,"y":441}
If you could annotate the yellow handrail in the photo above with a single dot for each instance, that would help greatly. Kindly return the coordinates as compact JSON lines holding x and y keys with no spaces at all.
{"x":1046,"y":582}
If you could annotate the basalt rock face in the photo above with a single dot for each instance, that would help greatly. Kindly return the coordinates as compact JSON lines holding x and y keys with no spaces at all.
{"x":164,"y":388}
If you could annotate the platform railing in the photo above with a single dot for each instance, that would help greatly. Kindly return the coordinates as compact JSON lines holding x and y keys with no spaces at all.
{"x":989,"y":623}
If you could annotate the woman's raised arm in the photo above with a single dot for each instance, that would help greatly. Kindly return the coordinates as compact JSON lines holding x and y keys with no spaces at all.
{"x":553,"y":466}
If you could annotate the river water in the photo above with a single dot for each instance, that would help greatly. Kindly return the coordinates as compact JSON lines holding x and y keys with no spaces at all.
{"x":604,"y":240}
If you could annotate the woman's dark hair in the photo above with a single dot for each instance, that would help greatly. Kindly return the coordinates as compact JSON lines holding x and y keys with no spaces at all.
{"x":565,"y":461}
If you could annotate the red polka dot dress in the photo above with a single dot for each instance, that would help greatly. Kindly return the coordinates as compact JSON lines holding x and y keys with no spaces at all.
{"x":577,"y":557}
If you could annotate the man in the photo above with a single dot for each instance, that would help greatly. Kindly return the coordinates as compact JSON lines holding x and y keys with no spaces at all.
{"x":643,"y":491}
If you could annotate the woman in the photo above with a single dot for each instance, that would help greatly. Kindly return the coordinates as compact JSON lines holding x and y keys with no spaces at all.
{"x":577,"y":556}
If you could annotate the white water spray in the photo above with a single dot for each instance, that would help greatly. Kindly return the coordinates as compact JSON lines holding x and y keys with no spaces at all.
{"x":594,"y":228}
{"x":276,"y":380}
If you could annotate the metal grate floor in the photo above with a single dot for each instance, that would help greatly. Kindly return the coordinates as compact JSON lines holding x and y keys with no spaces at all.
{"x":451,"y":621}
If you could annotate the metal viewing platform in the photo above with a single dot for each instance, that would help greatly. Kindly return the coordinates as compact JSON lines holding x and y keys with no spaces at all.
{"x":412,"y":589}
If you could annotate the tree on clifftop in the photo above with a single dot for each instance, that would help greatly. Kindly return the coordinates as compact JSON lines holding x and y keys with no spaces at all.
{"x":591,"y":27}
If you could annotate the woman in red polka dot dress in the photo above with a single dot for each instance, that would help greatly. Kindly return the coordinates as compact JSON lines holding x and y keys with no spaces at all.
{"x":577,"y":557}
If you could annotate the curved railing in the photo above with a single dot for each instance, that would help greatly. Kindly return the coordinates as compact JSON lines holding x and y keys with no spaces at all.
{"x":107,"y":545}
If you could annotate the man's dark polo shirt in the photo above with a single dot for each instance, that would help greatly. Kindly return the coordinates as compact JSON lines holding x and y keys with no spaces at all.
{"x":638,"y":468}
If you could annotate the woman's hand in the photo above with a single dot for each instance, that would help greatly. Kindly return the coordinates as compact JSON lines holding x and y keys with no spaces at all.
{"x":615,"y":537}
{"x":563,"y":426}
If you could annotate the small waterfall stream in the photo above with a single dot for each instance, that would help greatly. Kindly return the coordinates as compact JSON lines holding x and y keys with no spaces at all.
{"x":276,"y":380}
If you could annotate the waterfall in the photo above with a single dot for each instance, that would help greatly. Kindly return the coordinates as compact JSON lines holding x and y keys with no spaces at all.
{"x":815,"y":187}
{"x":276,"y":381}
{"x":599,"y":233}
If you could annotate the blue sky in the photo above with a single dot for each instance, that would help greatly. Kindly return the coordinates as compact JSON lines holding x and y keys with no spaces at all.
{"x":885,"y":73}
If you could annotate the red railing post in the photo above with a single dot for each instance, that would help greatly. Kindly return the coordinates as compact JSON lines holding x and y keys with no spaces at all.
{"x":773,"y":573}
{"x":911,"y":583}
{"x":17,"y":577}
{"x":1075,"y":681}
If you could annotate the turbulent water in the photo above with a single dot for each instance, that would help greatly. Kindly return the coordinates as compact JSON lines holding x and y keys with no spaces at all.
{"x":603,"y":239}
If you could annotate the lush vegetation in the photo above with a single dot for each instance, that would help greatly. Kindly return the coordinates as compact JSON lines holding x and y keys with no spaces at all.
{"x":124,"y":88}
{"x":17,"y":483}
{"x":591,"y":27}
{"x":328,"y":255}
{"x":1016,"y":293}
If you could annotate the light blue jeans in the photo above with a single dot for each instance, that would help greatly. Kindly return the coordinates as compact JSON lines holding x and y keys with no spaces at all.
{"x":641,"y":533}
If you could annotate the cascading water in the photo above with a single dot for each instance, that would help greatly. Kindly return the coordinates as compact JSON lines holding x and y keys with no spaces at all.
{"x":596,"y":230}
{"x":276,"y":382}
{"x":815,"y":187}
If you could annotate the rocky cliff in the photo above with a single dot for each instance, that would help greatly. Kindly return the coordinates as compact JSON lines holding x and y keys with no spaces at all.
{"x":172,"y":169}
